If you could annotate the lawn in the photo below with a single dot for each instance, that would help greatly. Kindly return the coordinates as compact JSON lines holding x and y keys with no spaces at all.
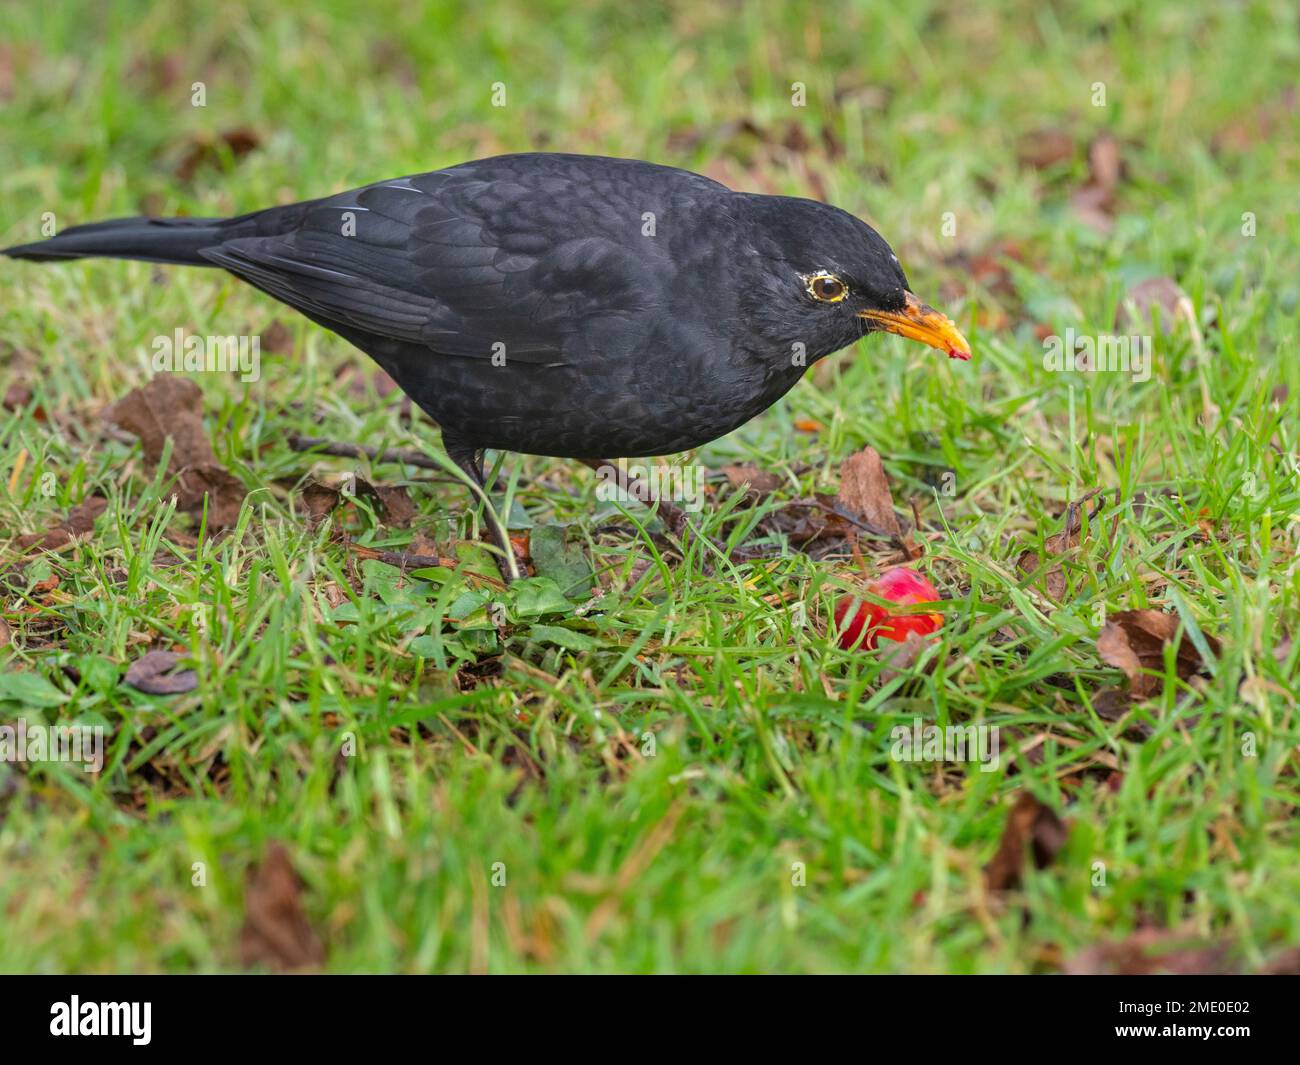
{"x":652,"y":757}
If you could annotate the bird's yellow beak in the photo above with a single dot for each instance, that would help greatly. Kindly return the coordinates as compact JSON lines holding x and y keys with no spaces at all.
{"x":917,"y":321}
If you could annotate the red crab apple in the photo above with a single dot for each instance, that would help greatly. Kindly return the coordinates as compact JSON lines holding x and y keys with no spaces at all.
{"x":900,"y":586}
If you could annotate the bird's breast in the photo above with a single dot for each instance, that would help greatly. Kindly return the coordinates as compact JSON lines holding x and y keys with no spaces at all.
{"x":654,"y":401}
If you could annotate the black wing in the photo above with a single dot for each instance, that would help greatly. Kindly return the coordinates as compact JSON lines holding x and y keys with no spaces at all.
{"x":544,"y":254}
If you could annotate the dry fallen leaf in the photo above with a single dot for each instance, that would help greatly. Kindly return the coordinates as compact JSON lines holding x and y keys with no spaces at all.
{"x":1286,"y":963}
{"x":17,"y":396}
{"x":319,"y":499}
{"x":759,"y":481}
{"x":171,"y":407}
{"x":1031,"y":825}
{"x":277,"y":339}
{"x":864,"y":491}
{"x":1282,"y":650}
{"x":1044,"y":148}
{"x":159,"y":72}
{"x":803,"y":521}
{"x":1104,"y":162}
{"x":1094,"y":204}
{"x":422,"y":545}
{"x":1053,"y":578}
{"x":392,"y":501}
{"x":205,"y":151}
{"x":1148,"y":951}
{"x":1134,"y":641}
{"x":153,"y":674}
{"x":223,"y":490}
{"x":1162,"y":293}
{"x":1111,"y":704}
{"x":168,"y":407}
{"x":79,"y":522}
{"x":276,"y":932}
{"x":46,"y":586}
{"x":7,"y":65}
{"x":1249,"y":128}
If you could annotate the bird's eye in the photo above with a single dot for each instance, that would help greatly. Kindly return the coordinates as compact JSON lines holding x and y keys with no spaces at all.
{"x":827,"y":287}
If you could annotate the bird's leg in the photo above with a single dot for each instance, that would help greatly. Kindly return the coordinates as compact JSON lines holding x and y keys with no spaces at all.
{"x":674,"y":516}
{"x":470,"y":459}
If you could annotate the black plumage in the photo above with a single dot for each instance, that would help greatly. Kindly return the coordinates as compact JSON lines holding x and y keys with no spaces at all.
{"x":560,"y":305}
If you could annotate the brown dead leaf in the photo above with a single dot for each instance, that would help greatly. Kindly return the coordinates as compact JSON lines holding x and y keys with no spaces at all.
{"x":864,"y":491}
{"x":988,"y":268}
{"x":1286,"y":963}
{"x":1134,"y":641}
{"x":153,"y":674}
{"x":759,"y":481}
{"x":985,"y":270}
{"x":1111,"y":704}
{"x":41,"y":588}
{"x":168,"y":407}
{"x":422,"y":545}
{"x":1094,"y":204}
{"x":1105,"y":164}
{"x":1148,"y":951}
{"x":6,"y":633}
{"x":276,"y":932}
{"x":6,"y":72}
{"x":79,"y":522}
{"x":1162,"y":293}
{"x":223,"y":490}
{"x":1250,"y":128}
{"x":208,"y":151}
{"x":359,"y":380}
{"x":521,"y":545}
{"x":1053,"y":579}
{"x":392,"y":501}
{"x":277,"y":338}
{"x":1030,"y":825}
{"x":17,"y":396}
{"x":1282,"y":650}
{"x":1092,"y":207}
{"x":1040,"y":149}
{"x":171,"y":407}
{"x":319,"y":499}
{"x":160,"y":73}
{"x":802,"y":521}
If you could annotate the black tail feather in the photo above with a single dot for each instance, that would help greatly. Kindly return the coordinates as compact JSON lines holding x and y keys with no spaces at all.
{"x":158,"y":240}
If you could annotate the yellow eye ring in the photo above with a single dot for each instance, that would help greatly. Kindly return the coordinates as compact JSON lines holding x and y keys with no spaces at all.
{"x":826,"y":288}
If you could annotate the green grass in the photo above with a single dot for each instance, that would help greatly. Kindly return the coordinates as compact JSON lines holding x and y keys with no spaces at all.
{"x":770,"y":743}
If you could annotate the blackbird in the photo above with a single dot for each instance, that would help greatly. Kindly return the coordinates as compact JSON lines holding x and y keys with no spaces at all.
{"x":564,"y":305}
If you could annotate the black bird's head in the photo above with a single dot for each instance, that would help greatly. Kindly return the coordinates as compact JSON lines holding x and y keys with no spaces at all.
{"x":823,"y":278}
